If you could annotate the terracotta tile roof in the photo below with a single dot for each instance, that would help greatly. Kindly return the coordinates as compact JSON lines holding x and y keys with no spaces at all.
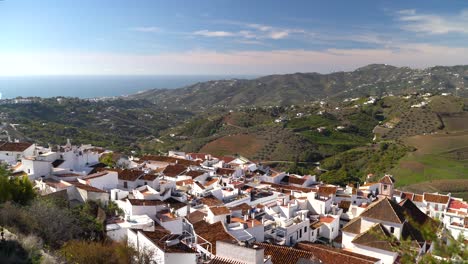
{"x":139,"y":202}
{"x":345,"y":205}
{"x":244,"y":207}
{"x":376,"y":237}
{"x":149,"y":177}
{"x":175,"y":204}
{"x":329,"y":255}
{"x":219,"y":210}
{"x":220,"y":260}
{"x":418,"y":198}
{"x":195,"y":217}
{"x":457,"y":204}
{"x":408,"y":195}
{"x":227,"y":159}
{"x":184,"y":182}
{"x":55,"y":183}
{"x":87,"y":188}
{"x":385,"y":210}
{"x":436,"y":198}
{"x":129,"y":175}
{"x":286,"y":255}
{"x":160,"y":235}
{"x":210,"y":201}
{"x":200,"y":185}
{"x":15,"y":146}
{"x":95,"y":175}
{"x":326,"y":219}
{"x":353,"y":226}
{"x":211,"y":233}
{"x":225,"y":171}
{"x":194,"y":173}
{"x":387,"y":179}
{"x":174,"y":170}
{"x":211,"y":182}
{"x":327,"y":190}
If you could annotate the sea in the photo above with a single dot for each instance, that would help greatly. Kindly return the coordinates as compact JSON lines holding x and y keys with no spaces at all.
{"x":97,"y":86}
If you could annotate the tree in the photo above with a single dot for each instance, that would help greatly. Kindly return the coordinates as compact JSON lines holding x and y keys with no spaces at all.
{"x":108,"y":159}
{"x":17,"y":189}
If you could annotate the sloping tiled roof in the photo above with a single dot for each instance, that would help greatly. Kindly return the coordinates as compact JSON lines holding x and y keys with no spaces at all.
{"x":219,"y":210}
{"x":87,"y":188}
{"x":212,"y":233}
{"x":194,"y":173}
{"x":149,"y":177}
{"x":418,"y":198}
{"x":210,"y":200}
{"x":385,"y":210}
{"x":387,"y":179}
{"x":195,"y":217}
{"x":329,"y":255}
{"x":376,"y":237}
{"x":436,"y":198}
{"x":345,"y":205}
{"x":174,"y":170}
{"x":95,"y":175}
{"x":327,"y":190}
{"x":225,"y":171}
{"x":286,"y":255}
{"x":244,"y":207}
{"x":130,"y":175}
{"x":354,"y":226}
{"x":15,"y":146}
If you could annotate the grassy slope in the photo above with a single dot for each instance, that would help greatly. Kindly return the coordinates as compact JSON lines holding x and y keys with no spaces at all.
{"x":439,"y":163}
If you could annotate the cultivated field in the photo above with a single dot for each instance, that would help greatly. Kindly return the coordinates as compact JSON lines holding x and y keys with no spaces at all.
{"x":247,"y":145}
{"x":440,"y":163}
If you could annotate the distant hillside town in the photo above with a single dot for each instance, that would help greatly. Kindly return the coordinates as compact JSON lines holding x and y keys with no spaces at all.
{"x":199,"y":208}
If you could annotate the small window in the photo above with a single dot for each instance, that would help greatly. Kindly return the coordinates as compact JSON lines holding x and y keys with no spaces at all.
{"x":392,"y":229}
{"x":125,"y":184}
{"x":385,"y":187}
{"x":305,"y":229}
{"x":146,"y":183}
{"x":300,"y":232}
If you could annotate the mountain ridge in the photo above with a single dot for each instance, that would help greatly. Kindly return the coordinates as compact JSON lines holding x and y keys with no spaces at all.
{"x":301,"y":88}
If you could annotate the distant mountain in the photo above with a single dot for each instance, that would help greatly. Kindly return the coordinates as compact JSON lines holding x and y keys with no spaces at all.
{"x":298,"y":88}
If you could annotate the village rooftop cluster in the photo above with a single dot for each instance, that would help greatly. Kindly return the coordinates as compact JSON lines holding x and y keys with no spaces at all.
{"x":198,"y":208}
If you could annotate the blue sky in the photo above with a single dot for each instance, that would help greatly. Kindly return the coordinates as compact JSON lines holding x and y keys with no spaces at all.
{"x":56,"y":37}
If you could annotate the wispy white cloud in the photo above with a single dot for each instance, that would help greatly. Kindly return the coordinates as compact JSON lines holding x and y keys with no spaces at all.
{"x":432,"y":23}
{"x":147,"y":29}
{"x":207,"y":33}
{"x":252,"y":31}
